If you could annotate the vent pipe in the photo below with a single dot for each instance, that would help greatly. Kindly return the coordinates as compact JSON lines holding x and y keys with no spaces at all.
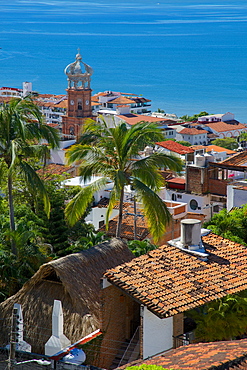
{"x":191,"y":234}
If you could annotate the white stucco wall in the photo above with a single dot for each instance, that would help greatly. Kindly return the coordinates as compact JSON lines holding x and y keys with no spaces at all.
{"x":57,"y":156}
{"x":157,"y":334}
{"x":235,"y":197}
{"x":99,"y":214}
{"x":193,"y":139}
{"x":203,"y":201}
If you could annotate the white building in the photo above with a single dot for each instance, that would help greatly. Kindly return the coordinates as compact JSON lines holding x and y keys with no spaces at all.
{"x":192,"y":135}
{"x":217,"y":117}
{"x":236,"y":195}
{"x":111,"y":100}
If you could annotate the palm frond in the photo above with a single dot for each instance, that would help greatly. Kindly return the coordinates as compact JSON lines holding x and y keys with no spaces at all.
{"x":155,"y":210}
{"x":160,"y":160}
{"x":112,"y":203}
{"x":150,"y":177}
{"x":76,"y":208}
{"x":35,"y":183}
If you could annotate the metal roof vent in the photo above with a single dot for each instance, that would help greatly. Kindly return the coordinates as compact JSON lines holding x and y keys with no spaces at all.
{"x":190,"y":240}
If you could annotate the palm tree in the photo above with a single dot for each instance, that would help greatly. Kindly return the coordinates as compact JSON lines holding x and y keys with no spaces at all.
{"x":114,"y":154}
{"x":21,"y":129}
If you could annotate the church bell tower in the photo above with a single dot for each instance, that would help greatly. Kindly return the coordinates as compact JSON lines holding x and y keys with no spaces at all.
{"x":79,"y":97}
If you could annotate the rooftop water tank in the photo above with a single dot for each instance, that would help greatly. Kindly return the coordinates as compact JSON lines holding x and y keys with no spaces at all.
{"x":209,"y":157}
{"x":200,"y":160}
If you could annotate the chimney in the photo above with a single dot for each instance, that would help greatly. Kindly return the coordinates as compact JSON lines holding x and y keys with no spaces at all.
{"x":190,"y":240}
{"x":58,"y":340}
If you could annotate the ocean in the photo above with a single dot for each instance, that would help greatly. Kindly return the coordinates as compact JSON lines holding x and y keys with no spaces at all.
{"x":186,"y":56}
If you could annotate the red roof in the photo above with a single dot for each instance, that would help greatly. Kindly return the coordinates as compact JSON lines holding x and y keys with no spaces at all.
{"x":224,"y":127}
{"x":215,"y":148}
{"x":132,"y":119}
{"x":192,"y":131}
{"x":228,"y":355}
{"x":175,"y":147}
{"x":169,"y":281}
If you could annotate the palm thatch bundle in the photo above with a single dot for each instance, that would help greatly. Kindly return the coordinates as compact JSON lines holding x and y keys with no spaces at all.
{"x":75,"y":281}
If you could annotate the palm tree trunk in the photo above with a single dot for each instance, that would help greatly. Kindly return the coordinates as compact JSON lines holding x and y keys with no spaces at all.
{"x":135,"y":220}
{"x":11,"y":212}
{"x":120,"y":216}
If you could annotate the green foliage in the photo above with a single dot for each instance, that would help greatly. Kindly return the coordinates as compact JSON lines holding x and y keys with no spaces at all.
{"x":21,"y":129}
{"x":194,"y":117}
{"x":146,"y":367}
{"x":16,"y":269}
{"x":62,"y":238}
{"x":139,"y":247}
{"x":222,"y":319}
{"x":86,"y":240}
{"x":243,"y":136}
{"x":184,"y":143}
{"x":231,"y":225}
{"x":112,"y":152}
{"x":228,"y":143}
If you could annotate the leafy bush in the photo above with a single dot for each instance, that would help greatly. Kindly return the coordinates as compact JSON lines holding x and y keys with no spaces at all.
{"x":146,"y":367}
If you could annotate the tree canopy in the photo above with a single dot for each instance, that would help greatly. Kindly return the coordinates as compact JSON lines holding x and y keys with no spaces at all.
{"x":114,"y":153}
{"x":231,"y":225}
{"x":228,"y":143}
{"x":21,"y":132}
{"x":222,"y":319}
{"x":194,"y":117}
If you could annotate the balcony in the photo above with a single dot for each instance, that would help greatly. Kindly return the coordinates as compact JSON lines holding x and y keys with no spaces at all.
{"x":176,"y":209}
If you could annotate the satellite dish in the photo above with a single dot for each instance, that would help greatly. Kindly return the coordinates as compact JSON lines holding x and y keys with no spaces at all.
{"x":76,"y":356}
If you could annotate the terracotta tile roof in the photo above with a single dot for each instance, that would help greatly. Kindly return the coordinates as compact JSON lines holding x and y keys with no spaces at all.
{"x":228,"y":355}
{"x":239,"y":159}
{"x":5,"y":99}
{"x":177,"y":180}
{"x":215,"y":148}
{"x":54,"y":125}
{"x":121,"y":100}
{"x":103,"y":203}
{"x":223,"y":126}
{"x":192,"y":131}
{"x":169,"y":281}
{"x":62,"y":104}
{"x":175,"y":147}
{"x":141,"y":100}
{"x":127,"y":228}
{"x":54,"y":169}
{"x":132,"y":119}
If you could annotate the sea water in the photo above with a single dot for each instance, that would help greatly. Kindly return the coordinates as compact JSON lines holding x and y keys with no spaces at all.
{"x":186,"y":56}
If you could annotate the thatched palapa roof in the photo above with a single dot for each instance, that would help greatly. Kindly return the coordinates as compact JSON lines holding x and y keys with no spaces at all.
{"x":75,"y":281}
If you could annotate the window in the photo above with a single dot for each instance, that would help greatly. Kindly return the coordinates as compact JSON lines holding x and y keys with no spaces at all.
{"x":79,"y":104}
{"x":193,"y":204}
{"x":179,"y":196}
{"x":101,"y":224}
{"x":174,"y":197}
{"x":72,"y":130}
{"x":216,"y":208}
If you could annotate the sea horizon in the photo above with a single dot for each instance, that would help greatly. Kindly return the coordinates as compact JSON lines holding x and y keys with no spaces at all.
{"x":185,"y":56}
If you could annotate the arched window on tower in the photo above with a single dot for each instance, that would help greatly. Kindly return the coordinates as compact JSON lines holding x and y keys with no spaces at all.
{"x":72,"y":130}
{"x":79,"y":104}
